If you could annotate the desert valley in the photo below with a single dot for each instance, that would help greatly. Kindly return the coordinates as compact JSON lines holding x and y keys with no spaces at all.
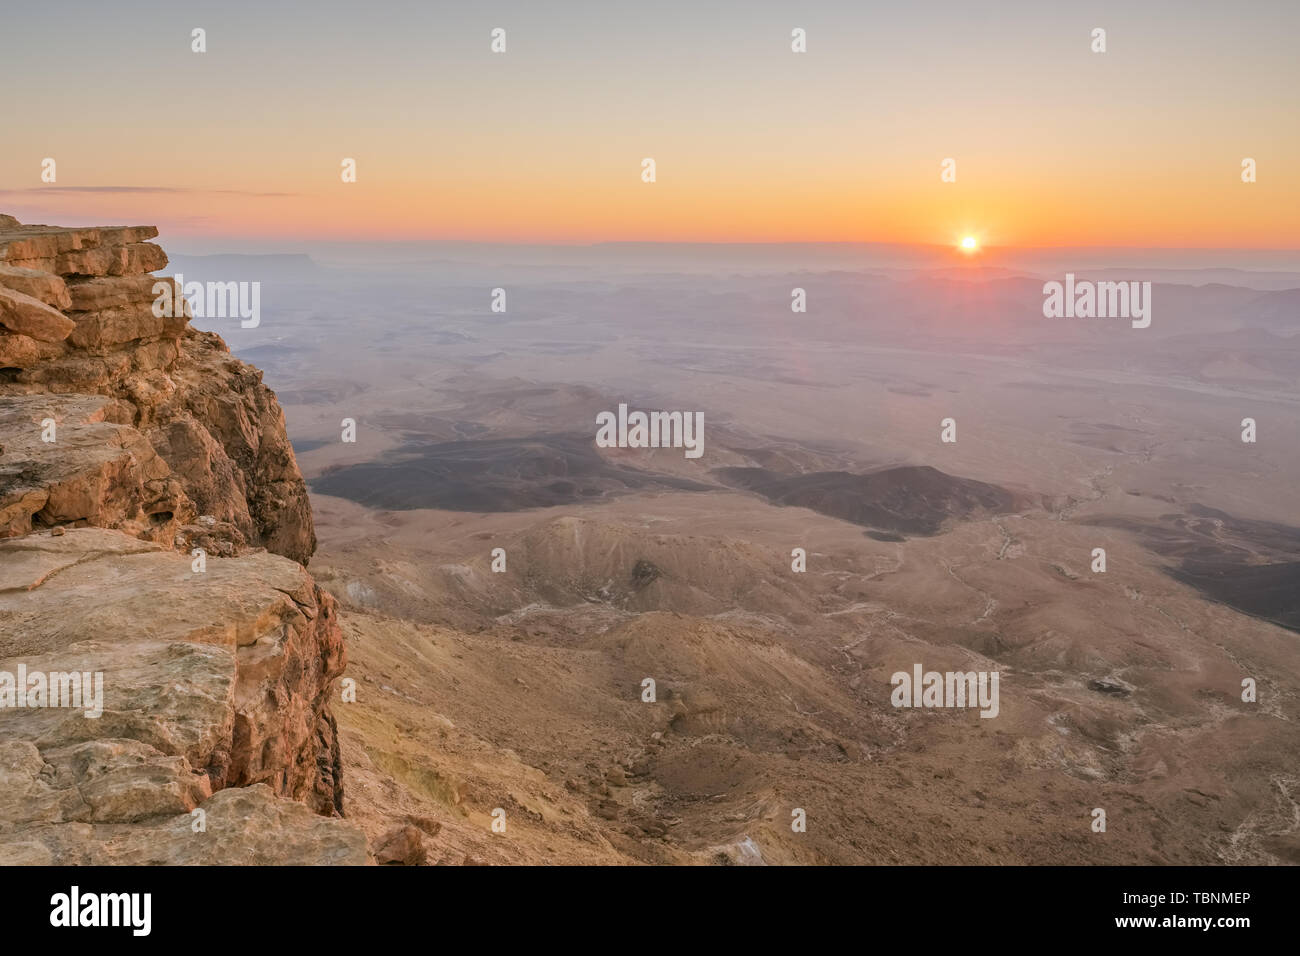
{"x":521,"y":688}
{"x":563,"y":645}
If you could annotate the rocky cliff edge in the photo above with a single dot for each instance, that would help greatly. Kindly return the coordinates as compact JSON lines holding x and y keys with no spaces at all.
{"x":131,"y":444}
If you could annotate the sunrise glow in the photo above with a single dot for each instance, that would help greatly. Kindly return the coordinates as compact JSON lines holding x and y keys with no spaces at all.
{"x":546,"y":142}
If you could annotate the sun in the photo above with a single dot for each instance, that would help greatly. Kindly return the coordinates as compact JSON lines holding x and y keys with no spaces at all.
{"x":968,"y":244}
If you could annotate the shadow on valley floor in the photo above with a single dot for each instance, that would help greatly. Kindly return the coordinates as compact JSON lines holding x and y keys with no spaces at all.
{"x":498,"y":474}
{"x":909,"y":499}
{"x":1251,"y":566}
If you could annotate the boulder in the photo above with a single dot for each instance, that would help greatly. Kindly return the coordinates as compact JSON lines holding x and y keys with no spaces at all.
{"x":402,"y":846}
{"x":29,"y":316}
{"x":45,"y":286}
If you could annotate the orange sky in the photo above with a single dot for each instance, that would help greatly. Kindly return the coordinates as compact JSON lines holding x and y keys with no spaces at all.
{"x":1054,"y":144}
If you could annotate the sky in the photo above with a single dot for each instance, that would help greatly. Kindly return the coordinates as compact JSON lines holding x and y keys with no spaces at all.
{"x":1054,"y":145}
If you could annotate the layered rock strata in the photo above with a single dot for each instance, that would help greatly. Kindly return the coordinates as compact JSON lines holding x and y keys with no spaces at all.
{"x":77,"y":317}
{"x":154,"y":529}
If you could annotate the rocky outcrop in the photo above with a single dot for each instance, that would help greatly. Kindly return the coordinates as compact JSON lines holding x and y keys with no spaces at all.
{"x":154,"y":529}
{"x":93,"y":472}
{"x":77,"y":317}
{"x":254,"y":638}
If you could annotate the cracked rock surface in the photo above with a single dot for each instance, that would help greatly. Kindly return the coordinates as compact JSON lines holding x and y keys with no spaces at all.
{"x":127,"y":441}
{"x":211,"y":681}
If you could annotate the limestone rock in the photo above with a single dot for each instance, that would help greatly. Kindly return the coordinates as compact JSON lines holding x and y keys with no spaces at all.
{"x":31,"y":317}
{"x":127,"y":440}
{"x":211,"y":680}
{"x":402,"y":846}
{"x":240,"y":827}
{"x":94,"y":472}
{"x":116,"y":326}
{"x":231,"y":402}
{"x":118,"y":260}
{"x":17,"y":351}
{"x":48,"y":288}
{"x":135,"y":293}
{"x":39,"y":247}
{"x":210,"y":419}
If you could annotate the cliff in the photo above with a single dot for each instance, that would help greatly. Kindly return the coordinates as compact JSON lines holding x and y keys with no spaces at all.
{"x":127,"y":441}
{"x":77,"y":317}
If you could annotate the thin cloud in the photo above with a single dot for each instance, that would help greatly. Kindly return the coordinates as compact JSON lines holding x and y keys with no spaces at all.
{"x":32,"y":190}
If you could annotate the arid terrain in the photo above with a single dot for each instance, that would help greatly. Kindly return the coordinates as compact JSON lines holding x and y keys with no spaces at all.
{"x":388,"y":596}
{"x":522,"y":689}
